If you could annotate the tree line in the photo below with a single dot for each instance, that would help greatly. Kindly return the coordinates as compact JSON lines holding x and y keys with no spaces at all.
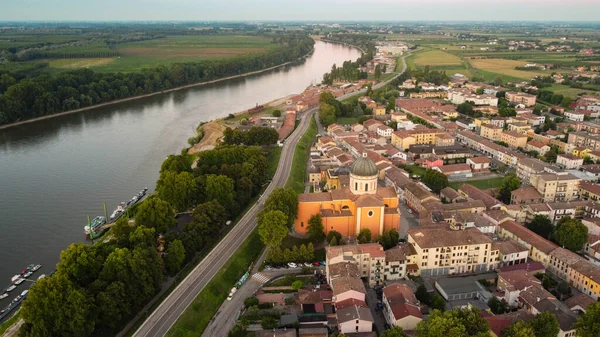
{"x":23,"y":98}
{"x":97,"y":289}
{"x":255,"y":136}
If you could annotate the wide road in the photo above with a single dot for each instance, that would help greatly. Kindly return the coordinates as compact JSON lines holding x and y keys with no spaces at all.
{"x":165,"y":315}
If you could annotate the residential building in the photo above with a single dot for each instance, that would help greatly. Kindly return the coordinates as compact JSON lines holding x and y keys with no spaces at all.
{"x":569,"y":161}
{"x":521,"y":98}
{"x":451,"y":249}
{"x":451,"y":195}
{"x":514,"y":139}
{"x":385,"y":131}
{"x":415,"y":195}
{"x":561,"y":260}
{"x":479,"y":164}
{"x":403,"y":139}
{"x":362,"y":205}
{"x":539,"y":248}
{"x":354,"y":319}
{"x":519,"y":127}
{"x":556,"y":187}
{"x":526,"y":195}
{"x":584,"y":139}
{"x":401,"y":307}
{"x":379,"y":111}
{"x":474,"y":193}
{"x":537,"y":146}
{"x":589,"y":191}
{"x":528,"y":167}
{"x":490,"y":132}
{"x":510,"y":252}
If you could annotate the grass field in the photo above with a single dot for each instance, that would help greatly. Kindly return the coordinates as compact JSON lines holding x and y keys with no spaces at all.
{"x":481,"y":184}
{"x":197,"y":316}
{"x":505,"y":67}
{"x":346,"y":120}
{"x":298,"y":172}
{"x":571,"y":92}
{"x":436,"y":58}
{"x":136,"y":56}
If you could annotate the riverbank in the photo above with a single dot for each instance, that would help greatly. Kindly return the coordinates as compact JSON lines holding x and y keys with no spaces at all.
{"x":91,"y":107}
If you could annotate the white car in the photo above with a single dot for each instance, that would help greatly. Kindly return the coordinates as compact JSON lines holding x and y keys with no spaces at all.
{"x":292,"y":265}
{"x":306,"y":264}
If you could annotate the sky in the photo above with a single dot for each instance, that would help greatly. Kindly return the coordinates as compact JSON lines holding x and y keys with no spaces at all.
{"x":292,"y":10}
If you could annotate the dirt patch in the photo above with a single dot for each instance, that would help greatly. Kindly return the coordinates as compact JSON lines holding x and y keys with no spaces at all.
{"x":506,"y":67}
{"x":79,"y":63}
{"x":212,"y":131}
{"x":188,"y":52}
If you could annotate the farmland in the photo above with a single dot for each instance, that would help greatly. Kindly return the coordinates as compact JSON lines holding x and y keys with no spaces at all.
{"x":135,"y":56}
{"x":505,"y":67}
{"x":436,"y":58}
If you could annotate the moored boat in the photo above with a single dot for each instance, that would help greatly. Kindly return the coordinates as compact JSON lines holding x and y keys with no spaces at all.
{"x":94,"y":225}
{"x":3,"y":296}
{"x":36,"y":267}
{"x":11,"y":288}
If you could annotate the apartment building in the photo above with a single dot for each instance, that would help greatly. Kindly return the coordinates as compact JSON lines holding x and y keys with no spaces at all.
{"x":519,"y":127}
{"x":569,"y":161}
{"x":452,"y":249}
{"x":585,"y":277}
{"x":404,"y":139}
{"x":528,"y":167}
{"x":520,"y":98}
{"x":490,"y":132}
{"x":416,"y":195}
{"x":402,"y":307}
{"x":501,"y":153}
{"x":556,"y":187}
{"x":584,"y":139}
{"x":514,"y":139}
{"x":539,"y":248}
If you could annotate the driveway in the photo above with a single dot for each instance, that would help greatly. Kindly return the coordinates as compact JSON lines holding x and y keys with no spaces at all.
{"x":377,"y":314}
{"x":407,"y":220}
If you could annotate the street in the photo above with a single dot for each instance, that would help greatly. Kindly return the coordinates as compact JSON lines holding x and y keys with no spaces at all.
{"x":407,"y":220}
{"x":167,"y":313}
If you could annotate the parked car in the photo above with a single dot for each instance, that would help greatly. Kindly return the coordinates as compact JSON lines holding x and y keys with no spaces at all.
{"x":292,"y":265}
{"x":316,"y":264}
{"x":268,"y":267}
{"x":306,"y":264}
{"x":323,"y":263}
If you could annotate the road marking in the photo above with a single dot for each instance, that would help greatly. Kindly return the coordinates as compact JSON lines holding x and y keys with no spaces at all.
{"x":262,"y":278}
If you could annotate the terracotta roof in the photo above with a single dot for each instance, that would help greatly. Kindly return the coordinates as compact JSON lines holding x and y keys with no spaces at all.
{"x":536,"y":144}
{"x":509,"y":247}
{"x":480,"y":160}
{"x":527,"y":193}
{"x":534,"y":294}
{"x":498,"y":215}
{"x":590,"y":187}
{"x":570,"y":156}
{"x":315,"y":197}
{"x":499,"y":323}
{"x":350,"y":303}
{"x":402,"y":301}
{"x":531,"y":267}
{"x":455,"y":167}
{"x":387,"y":192}
{"x":314,"y":297}
{"x":399,"y":252}
{"x":514,"y":134}
{"x":588,"y":269}
{"x":374,"y":249}
{"x":477,"y":194}
{"x":579,"y":299}
{"x":528,"y":236}
{"x":566,"y":256}
{"x":565,"y":317}
{"x":343,"y":269}
{"x":418,"y":191}
{"x":341,"y":285}
{"x":368,"y":200}
{"x":519,"y":279}
{"x":431,"y":237}
{"x":450,"y":193}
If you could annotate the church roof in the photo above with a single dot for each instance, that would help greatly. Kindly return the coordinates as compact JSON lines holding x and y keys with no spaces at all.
{"x":368,"y":200}
{"x":364,"y":167}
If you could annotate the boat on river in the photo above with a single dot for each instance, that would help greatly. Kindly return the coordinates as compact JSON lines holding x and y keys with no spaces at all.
{"x":95,"y":229}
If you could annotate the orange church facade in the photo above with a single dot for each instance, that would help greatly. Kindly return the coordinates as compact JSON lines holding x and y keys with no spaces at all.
{"x":353,"y":208}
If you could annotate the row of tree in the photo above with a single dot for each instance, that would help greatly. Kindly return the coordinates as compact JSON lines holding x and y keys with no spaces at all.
{"x":255,"y":136}
{"x":303,"y":253}
{"x":25,"y":98}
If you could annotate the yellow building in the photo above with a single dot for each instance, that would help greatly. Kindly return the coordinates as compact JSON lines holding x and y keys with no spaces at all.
{"x":556,"y":187}
{"x":585,"y":277}
{"x":581,"y":152}
{"x":452,"y":249}
{"x":490,"y":132}
{"x":522,"y":128}
{"x":539,"y":248}
{"x":513,"y":139}
{"x":379,"y":110}
{"x":481,"y":121}
{"x":404,"y":139}
{"x":349,"y":210}
{"x":450,"y":114}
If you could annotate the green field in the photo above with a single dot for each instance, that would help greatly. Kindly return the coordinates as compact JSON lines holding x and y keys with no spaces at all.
{"x":481,"y":184}
{"x":135,"y":56}
{"x":435,"y":58}
{"x":572,"y":92}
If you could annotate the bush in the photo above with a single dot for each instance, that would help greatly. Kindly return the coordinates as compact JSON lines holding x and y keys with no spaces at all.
{"x":290,"y":301}
{"x":250,"y":301}
{"x":277,"y":113}
{"x":297,"y":285}
{"x":269,"y":323}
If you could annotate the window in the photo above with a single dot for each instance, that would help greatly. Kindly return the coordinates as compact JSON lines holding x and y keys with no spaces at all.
{"x":366,"y":187}
{"x":370,"y":214}
{"x":302,"y":224}
{"x":356,"y":186}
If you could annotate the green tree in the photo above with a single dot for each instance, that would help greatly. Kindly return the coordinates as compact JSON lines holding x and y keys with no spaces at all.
{"x":155,"y":213}
{"x":545,"y":324}
{"x":453,"y":323}
{"x":496,"y":306}
{"x":272,"y":228}
{"x":269,"y":323}
{"x":571,"y":234}
{"x":55,"y":306}
{"x":509,"y":184}
{"x":304,"y":254}
{"x":175,"y":163}
{"x":394,"y":332}
{"x":121,"y":231}
{"x":498,"y":81}
{"x":437,"y":302}
{"x":250,"y":301}
{"x":297,"y":285}
{"x":222,"y":189}
{"x":541,"y":225}
{"x":435,"y":180}
{"x":588,"y":324}
{"x":364,"y":236}
{"x":239,"y":330}
{"x":421,"y":294}
{"x":208,"y":220}
{"x":315,"y":228}
{"x":175,"y":256}
{"x":284,"y":200}
{"x":378,"y":72}
{"x":518,"y":329}
{"x":276,"y":113}
{"x":178,"y":189}
{"x":333,"y":242}
{"x":333,"y":233}
{"x":327,"y":114}
{"x":142,"y":237}
{"x":465,"y":108}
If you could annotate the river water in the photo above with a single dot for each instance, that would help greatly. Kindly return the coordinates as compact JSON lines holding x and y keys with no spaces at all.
{"x":56,"y":172}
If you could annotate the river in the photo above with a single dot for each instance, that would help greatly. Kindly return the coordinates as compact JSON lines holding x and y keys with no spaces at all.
{"x":56,"y":172}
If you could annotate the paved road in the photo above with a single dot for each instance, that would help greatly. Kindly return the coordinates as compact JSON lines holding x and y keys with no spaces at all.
{"x":165,"y":315}
{"x":228,"y":313}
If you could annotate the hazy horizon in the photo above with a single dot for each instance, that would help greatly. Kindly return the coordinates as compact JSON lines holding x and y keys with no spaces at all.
{"x":303,"y":10}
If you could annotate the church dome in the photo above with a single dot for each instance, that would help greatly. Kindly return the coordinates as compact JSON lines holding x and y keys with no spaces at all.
{"x":363,"y":167}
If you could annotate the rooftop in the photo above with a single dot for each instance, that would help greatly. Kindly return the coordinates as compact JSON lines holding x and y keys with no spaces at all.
{"x":528,"y":236}
{"x":341,"y":285}
{"x":354,"y":313}
{"x":508,"y":246}
{"x":443,"y":236}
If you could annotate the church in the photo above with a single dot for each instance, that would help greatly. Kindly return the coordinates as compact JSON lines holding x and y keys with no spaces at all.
{"x":353,"y":206}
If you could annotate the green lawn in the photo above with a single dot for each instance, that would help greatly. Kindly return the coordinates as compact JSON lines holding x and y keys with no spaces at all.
{"x":565,"y":90}
{"x":273,"y":160}
{"x":197,"y":316}
{"x":481,"y":184}
{"x":9,"y":322}
{"x":298,"y":172}
{"x":347,"y":120}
